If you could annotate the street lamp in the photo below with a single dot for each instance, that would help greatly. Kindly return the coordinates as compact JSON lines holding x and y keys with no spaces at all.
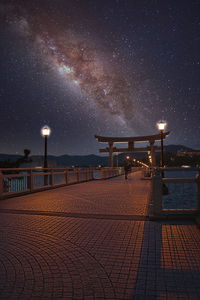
{"x":45,"y":131}
{"x":161,"y":126}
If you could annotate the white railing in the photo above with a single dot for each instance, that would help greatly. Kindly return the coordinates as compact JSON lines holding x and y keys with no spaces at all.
{"x":178,"y":193}
{"x":26,"y":180}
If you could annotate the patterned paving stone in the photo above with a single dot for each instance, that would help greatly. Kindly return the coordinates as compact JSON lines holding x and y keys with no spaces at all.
{"x":170,"y":261}
{"x":75,"y":259}
{"x":110,"y":197}
{"x":93,"y":255}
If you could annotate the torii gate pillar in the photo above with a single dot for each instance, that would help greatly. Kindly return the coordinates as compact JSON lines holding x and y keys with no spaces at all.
{"x":131,"y":148}
{"x":152,"y":151}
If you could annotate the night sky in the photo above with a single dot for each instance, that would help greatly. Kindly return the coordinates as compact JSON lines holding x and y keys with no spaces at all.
{"x":105,"y":67}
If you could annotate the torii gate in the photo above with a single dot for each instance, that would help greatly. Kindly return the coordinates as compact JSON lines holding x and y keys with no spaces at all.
{"x":151,"y":139}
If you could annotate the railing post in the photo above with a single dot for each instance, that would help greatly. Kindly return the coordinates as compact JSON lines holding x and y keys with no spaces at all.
{"x":1,"y":184}
{"x":77,"y":174}
{"x":30,"y":181}
{"x":102,"y":173}
{"x":157,"y":193}
{"x":51,"y":178}
{"x":46,"y":177}
{"x":198,"y":191}
{"x":66,"y":178}
{"x":92,"y":174}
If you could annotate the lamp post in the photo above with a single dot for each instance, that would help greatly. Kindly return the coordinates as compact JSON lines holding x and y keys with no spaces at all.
{"x":45,"y":131}
{"x":161,"y":126}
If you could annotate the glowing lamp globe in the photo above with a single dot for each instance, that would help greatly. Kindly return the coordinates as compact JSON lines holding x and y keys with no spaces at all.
{"x":45,"y":131}
{"x":161,"y":125}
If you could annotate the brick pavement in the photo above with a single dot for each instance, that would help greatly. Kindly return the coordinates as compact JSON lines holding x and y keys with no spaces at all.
{"x":83,"y":252}
{"x":113,"y":197}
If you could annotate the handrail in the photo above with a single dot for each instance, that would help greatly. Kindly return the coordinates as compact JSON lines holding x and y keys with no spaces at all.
{"x":14,"y":181}
{"x":181,"y":169}
{"x":173,"y":180}
{"x":177,"y":190}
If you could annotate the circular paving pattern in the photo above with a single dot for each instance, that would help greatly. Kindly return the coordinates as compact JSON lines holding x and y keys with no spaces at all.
{"x":39,"y":266}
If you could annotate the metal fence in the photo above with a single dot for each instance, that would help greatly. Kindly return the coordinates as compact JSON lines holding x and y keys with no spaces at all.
{"x":26,"y":180}
{"x":178,"y":191}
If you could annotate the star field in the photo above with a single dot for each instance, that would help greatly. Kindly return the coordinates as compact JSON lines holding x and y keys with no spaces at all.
{"x":97,"y":67}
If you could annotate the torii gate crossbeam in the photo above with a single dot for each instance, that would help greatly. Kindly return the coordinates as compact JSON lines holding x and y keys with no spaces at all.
{"x":151,"y":139}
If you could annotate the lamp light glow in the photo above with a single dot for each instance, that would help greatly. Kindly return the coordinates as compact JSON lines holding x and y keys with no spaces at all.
{"x":161,"y":125}
{"x":45,"y":131}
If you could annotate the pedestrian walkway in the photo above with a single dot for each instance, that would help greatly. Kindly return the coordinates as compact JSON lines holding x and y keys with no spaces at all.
{"x":109,"y":197}
{"x":94,"y":241}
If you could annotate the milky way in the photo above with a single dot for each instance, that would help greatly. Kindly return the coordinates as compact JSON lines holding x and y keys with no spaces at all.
{"x":86,"y":67}
{"x":77,"y":60}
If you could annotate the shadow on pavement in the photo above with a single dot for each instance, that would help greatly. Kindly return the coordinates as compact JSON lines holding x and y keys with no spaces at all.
{"x":169,"y":263}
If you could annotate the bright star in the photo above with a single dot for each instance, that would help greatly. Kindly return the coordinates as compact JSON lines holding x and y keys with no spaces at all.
{"x":76,"y":82}
{"x":67,"y":69}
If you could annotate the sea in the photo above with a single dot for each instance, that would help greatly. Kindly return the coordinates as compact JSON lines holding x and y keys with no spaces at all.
{"x":180,"y":195}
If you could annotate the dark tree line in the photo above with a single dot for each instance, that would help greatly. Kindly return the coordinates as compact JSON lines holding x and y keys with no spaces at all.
{"x":173,"y":160}
{"x":16,"y":164}
{"x":177,"y":161}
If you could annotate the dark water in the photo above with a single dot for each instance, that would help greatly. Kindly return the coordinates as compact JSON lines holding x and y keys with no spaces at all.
{"x":181,"y":195}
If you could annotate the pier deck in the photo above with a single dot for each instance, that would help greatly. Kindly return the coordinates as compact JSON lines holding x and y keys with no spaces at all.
{"x":93,"y":241}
